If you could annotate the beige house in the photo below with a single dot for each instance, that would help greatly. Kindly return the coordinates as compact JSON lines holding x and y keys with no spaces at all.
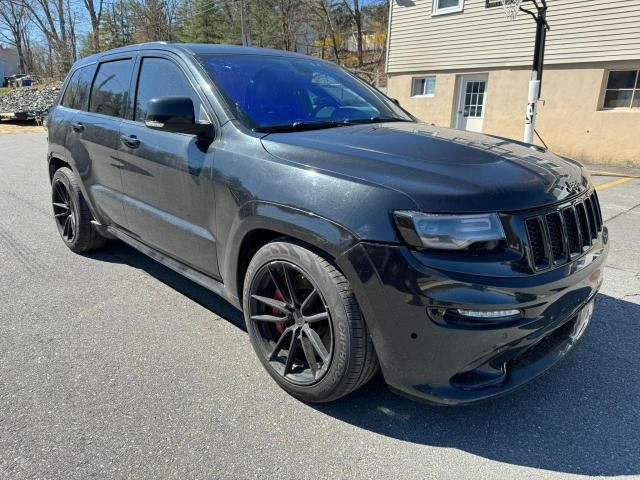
{"x":461,"y":64}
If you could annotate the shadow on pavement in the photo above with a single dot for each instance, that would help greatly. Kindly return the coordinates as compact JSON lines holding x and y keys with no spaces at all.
{"x":119,"y":252}
{"x":582,"y":417}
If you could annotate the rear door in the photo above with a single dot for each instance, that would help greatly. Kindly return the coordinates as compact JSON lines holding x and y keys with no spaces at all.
{"x":167,"y":177}
{"x":98,"y":131}
{"x":63,"y":138}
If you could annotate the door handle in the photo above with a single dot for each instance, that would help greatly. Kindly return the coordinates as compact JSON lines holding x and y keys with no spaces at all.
{"x":130,"y":141}
{"x":77,"y":126}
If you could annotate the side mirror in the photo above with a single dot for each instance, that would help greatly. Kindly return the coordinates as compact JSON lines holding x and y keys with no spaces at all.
{"x":174,"y":114}
{"x":395,"y":100}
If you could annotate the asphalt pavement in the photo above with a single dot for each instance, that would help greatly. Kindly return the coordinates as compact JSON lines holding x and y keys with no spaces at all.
{"x":112,"y":366}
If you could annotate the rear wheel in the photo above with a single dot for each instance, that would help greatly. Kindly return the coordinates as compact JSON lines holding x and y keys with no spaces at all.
{"x":305,"y":324}
{"x":72,"y":214}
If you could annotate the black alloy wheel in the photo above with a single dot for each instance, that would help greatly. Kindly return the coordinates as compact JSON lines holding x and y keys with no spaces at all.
{"x":71,"y":213}
{"x":64,"y":211}
{"x":293,"y":322}
{"x":305,"y":324}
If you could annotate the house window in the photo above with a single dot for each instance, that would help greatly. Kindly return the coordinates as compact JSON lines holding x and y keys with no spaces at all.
{"x":441,"y":7}
{"x":423,"y":87}
{"x":623,"y":89}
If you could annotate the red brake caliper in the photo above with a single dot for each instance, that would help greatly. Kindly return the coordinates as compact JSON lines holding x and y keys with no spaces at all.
{"x":280,"y":326}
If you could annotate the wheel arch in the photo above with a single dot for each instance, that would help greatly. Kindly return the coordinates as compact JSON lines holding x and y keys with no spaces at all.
{"x":57,"y":160}
{"x":55,"y":163}
{"x":259,"y":223}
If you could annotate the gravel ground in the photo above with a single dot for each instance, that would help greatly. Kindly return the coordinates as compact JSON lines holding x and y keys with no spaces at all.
{"x":112,"y":366}
{"x":28,"y":99}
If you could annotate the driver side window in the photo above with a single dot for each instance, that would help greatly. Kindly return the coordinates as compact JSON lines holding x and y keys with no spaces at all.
{"x":159,"y":78}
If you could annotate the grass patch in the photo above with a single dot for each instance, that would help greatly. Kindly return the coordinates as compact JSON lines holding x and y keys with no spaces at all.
{"x":4,"y":90}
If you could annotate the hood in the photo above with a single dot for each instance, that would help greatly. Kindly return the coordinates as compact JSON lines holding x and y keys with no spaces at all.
{"x":441,"y":169}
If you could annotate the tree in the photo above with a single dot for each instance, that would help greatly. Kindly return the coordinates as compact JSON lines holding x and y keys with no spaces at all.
{"x":116,"y":28}
{"x":349,"y":32}
{"x":153,"y":20}
{"x":207,"y":21}
{"x":14,"y":21}
{"x":55,"y":21}
{"x":353,"y":7}
{"x":324,"y":14}
{"x":94,"y":9}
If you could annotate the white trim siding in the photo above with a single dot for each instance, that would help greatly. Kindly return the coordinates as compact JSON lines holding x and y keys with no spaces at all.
{"x":478,"y":37}
{"x":388,"y":42}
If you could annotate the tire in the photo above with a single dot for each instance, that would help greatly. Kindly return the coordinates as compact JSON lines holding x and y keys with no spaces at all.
{"x":350,"y":359}
{"x":71,"y":213}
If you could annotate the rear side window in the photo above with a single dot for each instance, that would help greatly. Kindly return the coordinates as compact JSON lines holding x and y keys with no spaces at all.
{"x":76,"y":95}
{"x":159,"y":78}
{"x":110,"y":91}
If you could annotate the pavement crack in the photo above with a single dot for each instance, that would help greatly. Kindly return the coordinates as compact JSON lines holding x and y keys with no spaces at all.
{"x":621,"y":213}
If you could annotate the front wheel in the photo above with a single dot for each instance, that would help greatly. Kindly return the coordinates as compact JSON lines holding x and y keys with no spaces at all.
{"x":305,"y":324}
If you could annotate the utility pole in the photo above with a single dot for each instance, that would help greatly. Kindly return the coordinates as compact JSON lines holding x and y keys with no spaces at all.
{"x":540,"y":17}
{"x":244,"y":29}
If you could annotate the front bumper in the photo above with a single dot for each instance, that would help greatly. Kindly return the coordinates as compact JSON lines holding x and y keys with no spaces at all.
{"x":427,"y":354}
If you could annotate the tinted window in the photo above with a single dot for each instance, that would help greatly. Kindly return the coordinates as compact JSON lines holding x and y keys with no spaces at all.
{"x":273,"y":90}
{"x":111,"y":88}
{"x":77,"y":93}
{"x":159,"y":78}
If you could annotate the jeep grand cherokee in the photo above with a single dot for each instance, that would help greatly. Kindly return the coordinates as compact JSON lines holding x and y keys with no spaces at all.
{"x":352,"y":236}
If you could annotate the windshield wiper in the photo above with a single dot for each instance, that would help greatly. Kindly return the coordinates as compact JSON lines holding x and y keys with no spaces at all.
{"x":318,"y":124}
{"x":300,"y":125}
{"x":354,"y":121}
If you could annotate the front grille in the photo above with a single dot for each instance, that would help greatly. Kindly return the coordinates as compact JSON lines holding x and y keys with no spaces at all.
{"x":554,"y":237}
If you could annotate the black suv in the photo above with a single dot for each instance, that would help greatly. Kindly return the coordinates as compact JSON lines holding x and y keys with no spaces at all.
{"x":353,"y":236}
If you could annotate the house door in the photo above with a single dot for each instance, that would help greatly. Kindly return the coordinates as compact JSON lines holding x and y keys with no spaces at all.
{"x":471,"y":102}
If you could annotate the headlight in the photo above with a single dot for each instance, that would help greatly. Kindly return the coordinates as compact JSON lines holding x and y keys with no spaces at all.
{"x":448,"y":232}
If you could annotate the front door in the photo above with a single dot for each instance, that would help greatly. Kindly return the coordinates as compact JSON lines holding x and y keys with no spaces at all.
{"x":169,"y":198}
{"x":471,"y":102}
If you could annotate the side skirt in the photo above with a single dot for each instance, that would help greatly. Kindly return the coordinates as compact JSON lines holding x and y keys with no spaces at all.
{"x":207,"y":282}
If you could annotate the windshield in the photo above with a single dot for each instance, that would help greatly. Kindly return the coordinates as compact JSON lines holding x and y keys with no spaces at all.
{"x":272,"y":93}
